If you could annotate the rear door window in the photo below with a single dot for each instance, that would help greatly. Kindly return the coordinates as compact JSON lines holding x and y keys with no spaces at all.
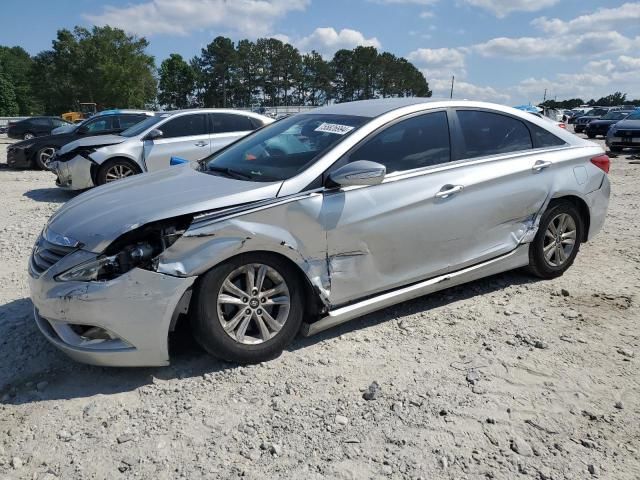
{"x":229,"y":122}
{"x":417,"y":142}
{"x":185,"y":126}
{"x":487,"y":133}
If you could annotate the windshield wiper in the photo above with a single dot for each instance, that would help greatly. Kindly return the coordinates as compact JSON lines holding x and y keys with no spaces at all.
{"x":230,"y":172}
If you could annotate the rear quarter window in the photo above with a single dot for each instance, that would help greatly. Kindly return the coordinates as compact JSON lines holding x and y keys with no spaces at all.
{"x":543,"y":138}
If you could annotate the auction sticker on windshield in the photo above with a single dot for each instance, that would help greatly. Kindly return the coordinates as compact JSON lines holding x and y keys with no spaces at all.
{"x":334,"y":128}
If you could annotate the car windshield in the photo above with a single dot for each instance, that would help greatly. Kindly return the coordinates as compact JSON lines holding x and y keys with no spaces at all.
{"x":138,"y":128}
{"x":634,"y":116}
{"x":284,"y":148}
{"x":615,"y":115}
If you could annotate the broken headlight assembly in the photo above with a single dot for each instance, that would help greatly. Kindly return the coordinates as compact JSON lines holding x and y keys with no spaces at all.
{"x":138,"y":248}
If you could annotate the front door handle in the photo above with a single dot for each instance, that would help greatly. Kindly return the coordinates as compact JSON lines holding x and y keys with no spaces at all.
{"x":201,"y":144}
{"x":449,"y":190}
{"x":541,"y":165}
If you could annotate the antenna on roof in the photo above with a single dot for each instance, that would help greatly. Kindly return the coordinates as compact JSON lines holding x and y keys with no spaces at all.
{"x":453,"y":78}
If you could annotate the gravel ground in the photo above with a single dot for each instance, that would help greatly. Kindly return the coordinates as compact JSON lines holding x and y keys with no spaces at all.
{"x":501,"y":378}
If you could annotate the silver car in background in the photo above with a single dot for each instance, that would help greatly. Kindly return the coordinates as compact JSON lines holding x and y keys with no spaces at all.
{"x":149,"y":145}
{"x":310,"y":222}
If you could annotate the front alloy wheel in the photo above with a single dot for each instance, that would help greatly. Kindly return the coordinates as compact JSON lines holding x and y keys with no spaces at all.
{"x":249,"y":308}
{"x":253,"y":304}
{"x":118,"y":171}
{"x":43,"y":157}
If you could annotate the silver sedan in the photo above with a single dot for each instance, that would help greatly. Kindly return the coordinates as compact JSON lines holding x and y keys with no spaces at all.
{"x":310,"y":222}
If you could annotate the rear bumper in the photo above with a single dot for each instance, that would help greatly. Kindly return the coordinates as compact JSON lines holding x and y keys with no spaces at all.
{"x":598,"y":203}
{"x":74,"y":174}
{"x":630,"y":142}
{"x":136,"y":309}
{"x":18,"y":158}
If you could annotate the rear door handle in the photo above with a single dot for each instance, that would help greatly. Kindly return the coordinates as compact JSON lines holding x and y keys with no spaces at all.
{"x":449,"y":190}
{"x":541,"y":165}
{"x":201,"y":144}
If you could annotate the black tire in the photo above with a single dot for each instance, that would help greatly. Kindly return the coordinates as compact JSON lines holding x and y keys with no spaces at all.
{"x":39,"y":159}
{"x":103,"y":173}
{"x":206,"y":324}
{"x":591,"y":135}
{"x":538,"y":264}
{"x":615,"y":149}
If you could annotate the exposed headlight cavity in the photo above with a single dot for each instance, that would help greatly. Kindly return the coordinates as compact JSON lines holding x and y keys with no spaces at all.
{"x":138,"y":248}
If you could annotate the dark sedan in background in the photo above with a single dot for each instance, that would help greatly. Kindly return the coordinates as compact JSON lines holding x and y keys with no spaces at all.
{"x":625,"y":133}
{"x":36,"y":152}
{"x":34,"y":127}
{"x":602,"y":125}
{"x":581,"y":122}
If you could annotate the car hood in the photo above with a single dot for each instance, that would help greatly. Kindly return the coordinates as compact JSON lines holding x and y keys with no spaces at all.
{"x":101,"y":215}
{"x":99,"y":140}
{"x":63,"y":129}
{"x":633,"y":124}
{"x":603,"y":121}
{"x":52,"y":140}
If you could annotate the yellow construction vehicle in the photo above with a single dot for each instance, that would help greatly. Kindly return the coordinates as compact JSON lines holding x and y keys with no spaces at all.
{"x":86,"y":111}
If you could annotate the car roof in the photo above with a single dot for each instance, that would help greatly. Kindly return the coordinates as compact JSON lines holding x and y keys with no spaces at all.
{"x":370,"y":108}
{"x":210,"y":110}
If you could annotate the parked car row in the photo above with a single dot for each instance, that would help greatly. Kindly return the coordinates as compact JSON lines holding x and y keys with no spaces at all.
{"x":302,"y":225}
{"x":34,"y":127}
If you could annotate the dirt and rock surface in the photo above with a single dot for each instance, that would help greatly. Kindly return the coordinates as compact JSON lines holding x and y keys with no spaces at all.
{"x":507,"y":377}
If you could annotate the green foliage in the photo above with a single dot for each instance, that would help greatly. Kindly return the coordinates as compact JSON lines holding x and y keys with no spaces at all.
{"x":16,"y":63}
{"x":177,"y":82}
{"x":106,"y":66}
{"x":8,"y":104}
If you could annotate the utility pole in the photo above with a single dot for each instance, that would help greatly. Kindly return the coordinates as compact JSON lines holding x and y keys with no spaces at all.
{"x":453,"y":78}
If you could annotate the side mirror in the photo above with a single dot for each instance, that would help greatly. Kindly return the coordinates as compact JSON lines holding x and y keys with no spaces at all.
{"x":360,"y":172}
{"x":154,"y":134}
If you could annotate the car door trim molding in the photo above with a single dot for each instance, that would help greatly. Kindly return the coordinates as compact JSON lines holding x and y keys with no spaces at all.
{"x":517,"y":258}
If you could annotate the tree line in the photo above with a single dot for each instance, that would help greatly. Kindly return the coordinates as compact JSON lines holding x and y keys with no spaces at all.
{"x":106,"y":66}
{"x":613,"y":100}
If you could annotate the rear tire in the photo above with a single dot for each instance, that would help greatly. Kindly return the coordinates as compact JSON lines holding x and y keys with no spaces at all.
{"x":615,"y":149}
{"x":116,"y":169}
{"x":557,"y":242}
{"x":591,"y":135}
{"x":239,"y":323}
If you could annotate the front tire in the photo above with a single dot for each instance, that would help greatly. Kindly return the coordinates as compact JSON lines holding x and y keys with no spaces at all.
{"x":116,"y":169}
{"x":591,"y":135}
{"x":43,"y":156}
{"x":248,"y":309}
{"x":557,"y":242}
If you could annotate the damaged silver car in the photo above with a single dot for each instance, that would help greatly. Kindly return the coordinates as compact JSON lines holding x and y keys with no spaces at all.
{"x":310,"y":222}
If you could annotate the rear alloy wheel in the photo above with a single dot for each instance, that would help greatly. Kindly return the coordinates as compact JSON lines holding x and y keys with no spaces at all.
{"x":116,"y":169}
{"x":43,"y":156}
{"x":28,"y":136}
{"x":248,"y":309}
{"x":557,"y":242}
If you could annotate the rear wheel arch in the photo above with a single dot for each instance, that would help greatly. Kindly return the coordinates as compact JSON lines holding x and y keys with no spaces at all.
{"x":582,"y":208}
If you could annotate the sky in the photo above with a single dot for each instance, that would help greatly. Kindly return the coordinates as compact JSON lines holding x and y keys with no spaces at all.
{"x":506,"y":51}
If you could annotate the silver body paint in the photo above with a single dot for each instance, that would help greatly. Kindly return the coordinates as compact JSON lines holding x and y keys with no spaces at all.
{"x":360,"y":248}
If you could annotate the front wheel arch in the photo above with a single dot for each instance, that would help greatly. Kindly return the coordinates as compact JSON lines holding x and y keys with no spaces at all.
{"x":98,"y":172}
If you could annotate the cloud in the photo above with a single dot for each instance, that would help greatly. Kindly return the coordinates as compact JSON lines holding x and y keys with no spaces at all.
{"x":629,"y":63}
{"x":328,"y":40}
{"x":465,"y":90}
{"x":170,"y":17}
{"x":592,"y":43}
{"x":625,"y":15}
{"x":452,"y":59}
{"x":502,"y":8}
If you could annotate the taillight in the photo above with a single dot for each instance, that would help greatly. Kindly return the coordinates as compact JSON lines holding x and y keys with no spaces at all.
{"x":602,"y":162}
{"x":562,"y":125}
